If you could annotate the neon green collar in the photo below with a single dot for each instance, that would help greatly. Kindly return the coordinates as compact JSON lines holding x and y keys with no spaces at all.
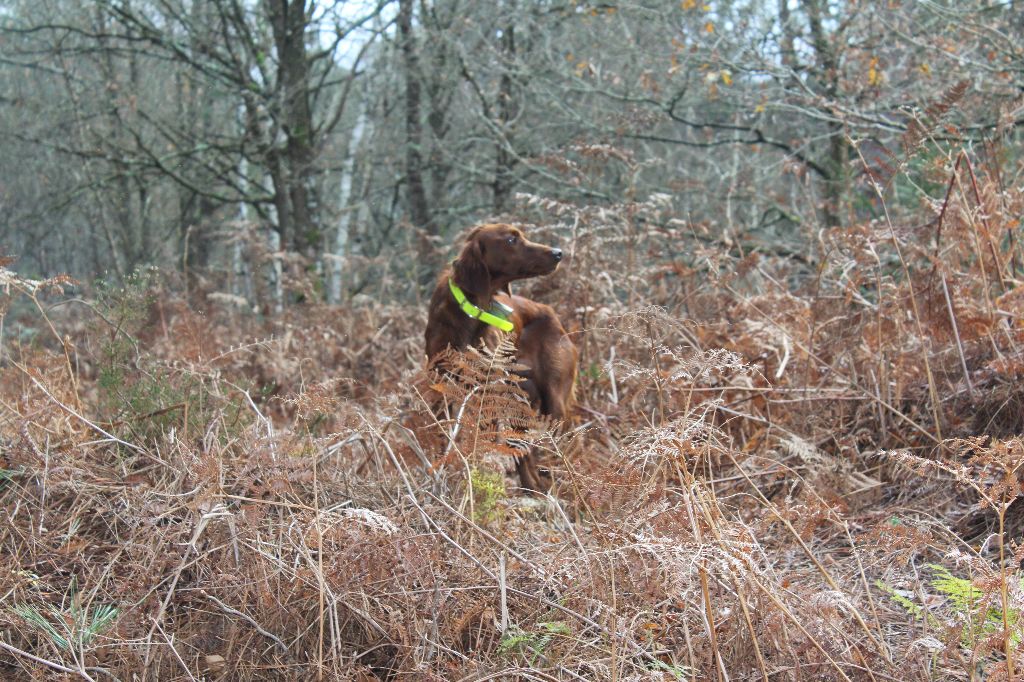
{"x":476,"y":313}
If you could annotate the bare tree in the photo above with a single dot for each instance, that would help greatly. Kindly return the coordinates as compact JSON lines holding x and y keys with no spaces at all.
{"x":259,"y":93}
{"x":147,"y":125}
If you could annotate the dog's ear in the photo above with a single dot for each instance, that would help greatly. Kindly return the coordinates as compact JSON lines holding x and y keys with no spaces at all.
{"x":470,"y":270}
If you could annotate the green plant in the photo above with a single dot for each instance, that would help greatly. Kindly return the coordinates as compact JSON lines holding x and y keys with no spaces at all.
{"x":69,"y":629}
{"x":967,"y":603}
{"x":532,"y":643}
{"x":142,"y":397}
{"x":488,"y":490}
{"x":592,"y":371}
{"x":901,"y":599}
{"x":677,"y":671}
{"x":122,"y":309}
{"x":9,"y":474}
{"x":970,"y":604}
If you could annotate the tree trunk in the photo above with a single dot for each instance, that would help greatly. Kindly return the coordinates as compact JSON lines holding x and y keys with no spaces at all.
{"x":828,"y":68}
{"x":419,"y":210}
{"x":294,"y":188}
{"x":504,"y":160}
{"x":348,"y":207}
{"x":836,"y":205}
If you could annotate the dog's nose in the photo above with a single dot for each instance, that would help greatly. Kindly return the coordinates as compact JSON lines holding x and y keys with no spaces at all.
{"x":557,"y":254}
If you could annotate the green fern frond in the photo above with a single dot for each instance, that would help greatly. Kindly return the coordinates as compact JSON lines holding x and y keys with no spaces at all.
{"x":74,"y":627}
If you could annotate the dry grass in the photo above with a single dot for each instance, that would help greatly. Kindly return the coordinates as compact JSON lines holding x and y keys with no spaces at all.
{"x":777,"y":470}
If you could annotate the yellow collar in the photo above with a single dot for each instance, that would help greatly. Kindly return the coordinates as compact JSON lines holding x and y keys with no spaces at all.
{"x":476,"y":313}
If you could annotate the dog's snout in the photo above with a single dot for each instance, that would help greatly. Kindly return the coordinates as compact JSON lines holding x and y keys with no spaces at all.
{"x":556,"y":254}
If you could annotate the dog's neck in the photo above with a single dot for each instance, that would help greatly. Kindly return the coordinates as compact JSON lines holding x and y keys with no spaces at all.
{"x":462,"y":330}
{"x":482,"y":301}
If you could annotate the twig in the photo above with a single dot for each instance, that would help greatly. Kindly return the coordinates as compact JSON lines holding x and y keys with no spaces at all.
{"x":219,"y":510}
{"x":770,"y":506}
{"x":991,"y":246}
{"x":263,"y":419}
{"x":458,"y":423}
{"x":275,"y":503}
{"x":282,"y":647}
{"x":75,"y":414}
{"x":56,"y":666}
{"x":850,"y":382}
{"x":503,"y":587}
{"x":793,"y":619}
{"x":524,"y":673}
{"x":479,"y":529}
{"x":956,"y":335}
{"x":170,"y":644}
{"x":933,"y":391}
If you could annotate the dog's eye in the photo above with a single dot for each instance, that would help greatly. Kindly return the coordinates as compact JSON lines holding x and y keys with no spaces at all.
{"x":512,"y":239}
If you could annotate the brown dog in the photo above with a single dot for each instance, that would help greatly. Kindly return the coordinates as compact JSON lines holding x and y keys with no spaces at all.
{"x":493,"y":256}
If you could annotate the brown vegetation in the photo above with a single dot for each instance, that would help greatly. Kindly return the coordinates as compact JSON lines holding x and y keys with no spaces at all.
{"x":777,"y":470}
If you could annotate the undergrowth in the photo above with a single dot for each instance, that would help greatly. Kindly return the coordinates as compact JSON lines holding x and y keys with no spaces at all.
{"x":778,"y":468}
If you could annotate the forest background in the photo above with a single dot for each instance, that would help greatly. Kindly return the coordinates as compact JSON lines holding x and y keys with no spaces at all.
{"x":793,"y":274}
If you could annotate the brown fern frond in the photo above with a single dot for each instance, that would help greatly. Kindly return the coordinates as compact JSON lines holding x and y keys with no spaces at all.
{"x":882,"y":165}
{"x":920,"y":128}
{"x":478,"y":402}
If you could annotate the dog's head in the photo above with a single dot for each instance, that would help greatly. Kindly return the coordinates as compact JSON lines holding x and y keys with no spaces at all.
{"x":497,"y":254}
